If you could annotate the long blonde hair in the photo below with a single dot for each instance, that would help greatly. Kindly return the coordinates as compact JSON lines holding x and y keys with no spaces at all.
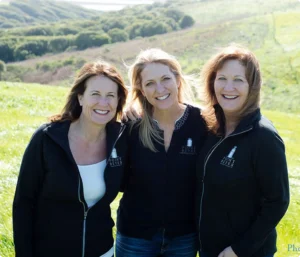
{"x":147,"y":131}
{"x":213,"y":113}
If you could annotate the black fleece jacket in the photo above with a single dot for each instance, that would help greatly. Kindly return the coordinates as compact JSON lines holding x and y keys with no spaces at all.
{"x":243,"y":189}
{"x":50,"y":215}
{"x":160,"y":188}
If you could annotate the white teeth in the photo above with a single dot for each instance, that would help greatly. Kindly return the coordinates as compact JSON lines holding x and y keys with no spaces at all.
{"x":163,"y":97}
{"x":230,"y":96}
{"x":101,"y":112}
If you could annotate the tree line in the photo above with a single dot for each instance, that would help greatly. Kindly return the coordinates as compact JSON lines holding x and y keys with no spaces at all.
{"x":141,"y":21}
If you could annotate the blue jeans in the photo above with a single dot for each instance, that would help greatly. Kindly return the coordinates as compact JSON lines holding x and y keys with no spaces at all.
{"x":182,"y":246}
{"x":202,"y":254}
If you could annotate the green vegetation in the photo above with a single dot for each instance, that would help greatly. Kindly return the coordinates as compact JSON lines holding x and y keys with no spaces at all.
{"x":23,"y":107}
{"x":18,"y":13}
{"x":2,"y":68}
{"x":19,"y":44}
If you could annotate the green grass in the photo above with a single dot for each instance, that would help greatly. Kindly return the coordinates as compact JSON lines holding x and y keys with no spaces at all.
{"x":23,"y":107}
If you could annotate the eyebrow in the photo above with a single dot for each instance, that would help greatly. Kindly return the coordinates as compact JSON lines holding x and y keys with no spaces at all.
{"x":233,"y":76}
{"x":165,"y":75}
{"x":97,"y":91}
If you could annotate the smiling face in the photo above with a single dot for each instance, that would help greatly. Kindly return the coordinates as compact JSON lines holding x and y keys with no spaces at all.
{"x":159,"y":86}
{"x":100,"y":100}
{"x":231,"y":87}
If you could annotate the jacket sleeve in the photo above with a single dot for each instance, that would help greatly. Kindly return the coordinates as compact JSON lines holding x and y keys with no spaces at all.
{"x":126,"y":160}
{"x":28,"y":185}
{"x":270,"y":168}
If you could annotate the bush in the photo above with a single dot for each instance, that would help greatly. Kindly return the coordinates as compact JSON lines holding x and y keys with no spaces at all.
{"x":113,"y":23}
{"x":117,"y":35}
{"x":2,"y":68}
{"x":31,"y":48}
{"x":134,"y":30}
{"x":39,"y":31}
{"x":186,"y":21}
{"x":59,"y":44}
{"x":153,"y":28}
{"x":89,"y":39}
{"x":174,"y":14}
{"x":7,"y":51}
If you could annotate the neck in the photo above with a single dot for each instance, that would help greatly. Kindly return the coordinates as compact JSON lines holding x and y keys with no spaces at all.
{"x":231,"y":123}
{"x":170,"y":115}
{"x":88,"y":131}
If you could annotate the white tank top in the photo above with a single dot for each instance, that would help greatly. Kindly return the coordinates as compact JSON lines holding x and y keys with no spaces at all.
{"x":92,"y":177}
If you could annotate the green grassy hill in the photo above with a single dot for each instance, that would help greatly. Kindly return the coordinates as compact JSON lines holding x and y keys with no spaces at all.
{"x":23,"y":107}
{"x":20,"y":13}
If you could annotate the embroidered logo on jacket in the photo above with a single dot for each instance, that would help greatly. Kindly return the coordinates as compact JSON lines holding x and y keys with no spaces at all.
{"x":228,"y":160}
{"x":188,"y":148}
{"x":115,"y":160}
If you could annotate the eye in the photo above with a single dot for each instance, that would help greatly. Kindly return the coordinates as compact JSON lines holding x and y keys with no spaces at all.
{"x":111,"y":95}
{"x":221,"y":78}
{"x":166,"y":78}
{"x":149,"y":84}
{"x":95,"y":93}
{"x":238,"y":80}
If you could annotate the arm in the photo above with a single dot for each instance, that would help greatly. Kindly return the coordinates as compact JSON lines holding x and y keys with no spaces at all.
{"x":271,"y":172}
{"x":29,"y":183}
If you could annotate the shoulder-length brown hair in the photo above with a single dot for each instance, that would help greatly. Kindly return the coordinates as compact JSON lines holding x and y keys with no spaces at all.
{"x":212,"y":112}
{"x":72,"y":109}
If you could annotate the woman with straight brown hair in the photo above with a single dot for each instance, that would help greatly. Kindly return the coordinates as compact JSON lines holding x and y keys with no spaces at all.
{"x":72,"y":170}
{"x":243,"y":189}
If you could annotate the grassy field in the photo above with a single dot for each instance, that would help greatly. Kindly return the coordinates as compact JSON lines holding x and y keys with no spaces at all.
{"x":23,"y":107}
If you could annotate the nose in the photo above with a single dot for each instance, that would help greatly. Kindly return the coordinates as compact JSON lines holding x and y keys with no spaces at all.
{"x":229,"y":86}
{"x":103,"y":101}
{"x":159,"y":87}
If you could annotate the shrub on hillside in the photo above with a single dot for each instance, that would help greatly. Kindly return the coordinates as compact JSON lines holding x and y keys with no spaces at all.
{"x":89,"y":39}
{"x":186,"y":21}
{"x":2,"y":68}
{"x":59,"y":44}
{"x":36,"y":48}
{"x":7,"y":51}
{"x":174,"y":14}
{"x":134,"y":30}
{"x":117,"y":35}
{"x":153,"y":28}
{"x":67,"y":31}
{"x":108,"y":24}
{"x":39,"y":31}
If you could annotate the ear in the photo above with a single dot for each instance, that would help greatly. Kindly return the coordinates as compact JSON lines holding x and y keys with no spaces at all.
{"x":142,"y":92}
{"x":79,"y":97}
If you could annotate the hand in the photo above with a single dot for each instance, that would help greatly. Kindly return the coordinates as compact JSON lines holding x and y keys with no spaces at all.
{"x":130,"y":114}
{"x":227,"y":252}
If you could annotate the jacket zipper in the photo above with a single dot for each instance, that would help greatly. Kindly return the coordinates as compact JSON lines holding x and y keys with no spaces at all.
{"x":204,"y":171}
{"x":85,"y":212}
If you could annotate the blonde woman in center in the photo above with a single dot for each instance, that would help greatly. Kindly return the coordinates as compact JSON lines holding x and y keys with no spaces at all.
{"x":156,"y":216}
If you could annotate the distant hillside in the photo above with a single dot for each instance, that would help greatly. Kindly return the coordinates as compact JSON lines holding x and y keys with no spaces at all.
{"x":17,"y":44}
{"x":273,"y":36}
{"x":20,"y":13}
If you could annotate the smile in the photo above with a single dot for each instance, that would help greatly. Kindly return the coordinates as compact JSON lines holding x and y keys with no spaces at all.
{"x":231,"y":97}
{"x":101,"y":112}
{"x":162,"y":97}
